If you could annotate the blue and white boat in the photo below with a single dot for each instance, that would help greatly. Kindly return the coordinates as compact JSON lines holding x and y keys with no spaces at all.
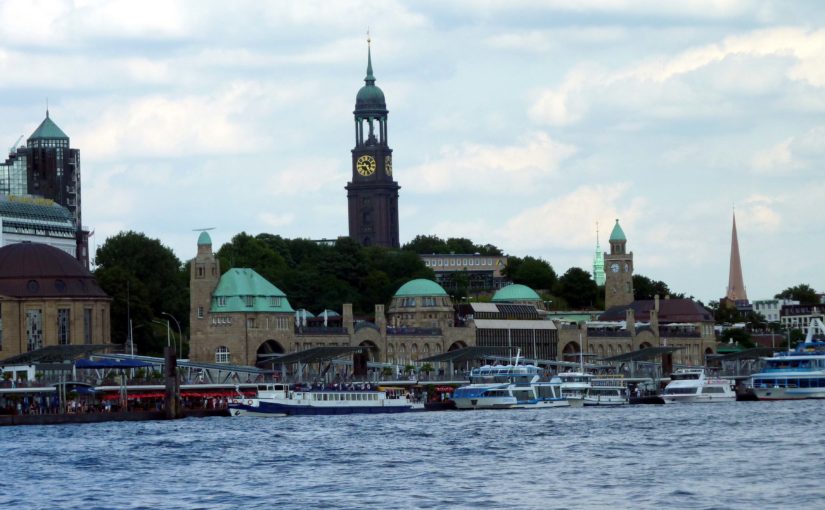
{"x":285,"y":400}
{"x":794,"y":375}
{"x":509,"y":387}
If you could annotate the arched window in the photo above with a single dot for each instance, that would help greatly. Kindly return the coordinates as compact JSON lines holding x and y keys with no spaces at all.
{"x":222,"y":354}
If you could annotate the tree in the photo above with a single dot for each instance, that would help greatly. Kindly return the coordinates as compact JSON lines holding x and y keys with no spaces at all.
{"x":738,"y":336}
{"x":646,"y":288}
{"x":803,"y":293}
{"x":426,"y":244}
{"x":530,"y":271}
{"x":147,"y":278}
{"x":577,"y":287}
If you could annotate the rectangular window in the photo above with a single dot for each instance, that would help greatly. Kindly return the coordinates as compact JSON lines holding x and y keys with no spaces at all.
{"x":87,"y":326}
{"x":34,"y":329}
{"x":63,"y":317}
{"x":274,"y":301}
{"x":221,"y":300}
{"x":200,"y":271}
{"x":249,"y":300}
{"x":250,"y":323}
{"x":200,"y":312}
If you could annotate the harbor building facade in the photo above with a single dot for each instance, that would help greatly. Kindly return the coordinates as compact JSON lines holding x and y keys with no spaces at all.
{"x":373,"y":193}
{"x":47,"y":298}
{"x":237,"y":317}
{"x":48,"y":167}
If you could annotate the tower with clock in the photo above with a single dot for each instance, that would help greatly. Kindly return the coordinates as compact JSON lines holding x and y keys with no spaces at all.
{"x":372,"y":193}
{"x":618,"y":270}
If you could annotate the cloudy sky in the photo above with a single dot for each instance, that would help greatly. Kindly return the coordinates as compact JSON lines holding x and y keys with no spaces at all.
{"x":516,"y":123}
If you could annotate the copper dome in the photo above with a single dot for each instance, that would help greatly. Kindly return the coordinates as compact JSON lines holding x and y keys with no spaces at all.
{"x":32,"y":270}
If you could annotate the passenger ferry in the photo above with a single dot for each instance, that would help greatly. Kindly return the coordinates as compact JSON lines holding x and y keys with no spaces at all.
{"x":509,"y":387}
{"x":607,"y":391}
{"x":286,"y":400}
{"x":575,"y":386}
{"x":694,"y":385}
{"x":793,"y":375}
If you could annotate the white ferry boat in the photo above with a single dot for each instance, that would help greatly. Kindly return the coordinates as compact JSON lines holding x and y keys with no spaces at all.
{"x":794,"y":375}
{"x":693,"y":385}
{"x":607,"y":391}
{"x":284,"y":400}
{"x":575,"y":386}
{"x":509,"y":387}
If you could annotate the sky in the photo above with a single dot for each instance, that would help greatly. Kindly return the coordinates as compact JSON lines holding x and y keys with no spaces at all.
{"x":517,"y":123}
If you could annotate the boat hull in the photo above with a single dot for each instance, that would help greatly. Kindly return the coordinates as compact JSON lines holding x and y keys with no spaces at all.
{"x":604,"y":401}
{"x":789,"y":393}
{"x":484,"y":402}
{"x":261,"y":408}
{"x":697,"y":399}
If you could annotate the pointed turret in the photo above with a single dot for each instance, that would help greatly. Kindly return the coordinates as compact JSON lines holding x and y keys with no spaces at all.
{"x":736,"y":284}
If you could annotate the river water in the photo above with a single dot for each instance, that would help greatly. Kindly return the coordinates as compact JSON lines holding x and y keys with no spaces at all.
{"x":694,"y":456}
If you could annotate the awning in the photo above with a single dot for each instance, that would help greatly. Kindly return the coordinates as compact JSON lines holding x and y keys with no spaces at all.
{"x":111,"y":363}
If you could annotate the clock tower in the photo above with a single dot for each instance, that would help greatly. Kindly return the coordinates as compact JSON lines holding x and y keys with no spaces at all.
{"x":618,"y":271}
{"x":372,"y":193}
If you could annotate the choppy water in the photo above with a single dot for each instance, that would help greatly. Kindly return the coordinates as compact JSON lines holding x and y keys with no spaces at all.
{"x":733,"y":455}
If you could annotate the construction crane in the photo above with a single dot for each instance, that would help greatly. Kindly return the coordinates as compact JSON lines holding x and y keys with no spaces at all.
{"x":14,"y":145}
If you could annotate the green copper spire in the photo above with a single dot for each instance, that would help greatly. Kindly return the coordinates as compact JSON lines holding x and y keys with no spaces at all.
{"x":370,"y":79}
{"x":48,"y":130}
{"x":617,"y":234}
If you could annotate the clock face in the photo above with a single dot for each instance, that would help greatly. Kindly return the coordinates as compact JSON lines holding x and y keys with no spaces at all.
{"x":365,"y":165}
{"x":388,"y":165}
{"x":614,"y":267}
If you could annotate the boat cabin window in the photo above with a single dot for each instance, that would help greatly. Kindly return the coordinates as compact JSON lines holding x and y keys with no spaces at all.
{"x":713,"y":389}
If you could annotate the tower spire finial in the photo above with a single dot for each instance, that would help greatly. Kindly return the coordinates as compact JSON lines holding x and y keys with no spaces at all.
{"x":370,"y":79}
{"x":47,"y":107}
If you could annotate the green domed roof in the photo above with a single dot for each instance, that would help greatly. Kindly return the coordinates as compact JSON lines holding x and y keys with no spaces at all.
{"x":618,"y":233}
{"x":420,"y":287}
{"x":370,"y":97}
{"x":204,"y":239}
{"x":516,"y":292}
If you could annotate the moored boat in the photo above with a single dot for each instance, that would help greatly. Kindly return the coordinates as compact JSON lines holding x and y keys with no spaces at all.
{"x":691,"y":385}
{"x":607,"y":391}
{"x":794,"y":375}
{"x":575,"y":386}
{"x":509,"y":387}
{"x":285,"y":400}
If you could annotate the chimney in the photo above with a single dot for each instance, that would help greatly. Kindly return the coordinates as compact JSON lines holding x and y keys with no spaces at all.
{"x":656,"y":302}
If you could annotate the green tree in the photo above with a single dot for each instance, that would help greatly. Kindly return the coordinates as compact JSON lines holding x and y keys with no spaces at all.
{"x":646,"y":288}
{"x":533,"y":272}
{"x":577,"y":287}
{"x":422,"y":244}
{"x":247,"y":251}
{"x":738,"y":336}
{"x":803,"y":293}
{"x":145,"y":277}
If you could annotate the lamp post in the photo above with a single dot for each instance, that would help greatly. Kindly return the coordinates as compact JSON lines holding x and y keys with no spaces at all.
{"x":168,"y":342}
{"x":180,"y":333}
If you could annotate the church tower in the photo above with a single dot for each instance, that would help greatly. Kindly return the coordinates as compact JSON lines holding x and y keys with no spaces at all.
{"x":598,"y":261}
{"x":736,"y":283}
{"x":618,"y":286}
{"x":372,"y":193}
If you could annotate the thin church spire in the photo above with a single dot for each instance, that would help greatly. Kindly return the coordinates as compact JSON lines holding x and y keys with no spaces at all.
{"x":736,"y":283}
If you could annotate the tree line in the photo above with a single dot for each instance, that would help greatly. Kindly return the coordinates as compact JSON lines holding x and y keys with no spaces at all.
{"x":145,"y":278}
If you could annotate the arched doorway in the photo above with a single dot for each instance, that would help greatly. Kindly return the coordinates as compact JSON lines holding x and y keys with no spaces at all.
{"x":644,"y":345}
{"x":373,"y":352}
{"x":457,"y":345}
{"x":571,"y":352}
{"x":267,"y":351}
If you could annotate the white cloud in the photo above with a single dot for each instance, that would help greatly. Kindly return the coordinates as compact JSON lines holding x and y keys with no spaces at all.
{"x":276,"y":221}
{"x":472,"y":167}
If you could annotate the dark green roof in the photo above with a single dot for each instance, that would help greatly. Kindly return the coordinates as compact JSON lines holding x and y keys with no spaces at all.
{"x":516,"y":292}
{"x":244,"y":290}
{"x":420,"y":287}
{"x":370,"y":97}
{"x":618,"y":233}
{"x":48,"y":130}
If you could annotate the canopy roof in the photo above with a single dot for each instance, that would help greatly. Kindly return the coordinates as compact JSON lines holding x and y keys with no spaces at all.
{"x":111,"y":363}
{"x":57,"y":354}
{"x":316,"y":355}
{"x":642,"y":354}
{"x":468,"y":354}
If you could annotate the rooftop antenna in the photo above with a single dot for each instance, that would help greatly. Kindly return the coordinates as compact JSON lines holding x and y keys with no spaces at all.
{"x":47,"y":107}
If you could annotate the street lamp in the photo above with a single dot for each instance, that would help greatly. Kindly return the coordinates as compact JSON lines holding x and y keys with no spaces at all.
{"x":180,"y":334}
{"x":168,"y":343}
